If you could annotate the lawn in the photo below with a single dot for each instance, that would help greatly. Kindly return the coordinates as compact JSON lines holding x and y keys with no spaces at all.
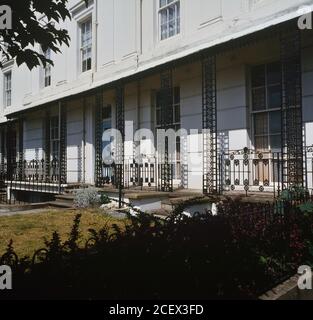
{"x":29,"y":232}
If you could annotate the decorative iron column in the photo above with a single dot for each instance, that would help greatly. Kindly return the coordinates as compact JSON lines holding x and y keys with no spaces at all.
{"x":21,"y":149}
{"x":3,"y":169}
{"x":136,"y":161}
{"x":11,"y":155}
{"x":209,"y":125}
{"x":120,"y":126}
{"x":63,"y":143}
{"x":47,"y":145}
{"x":292,"y":134}
{"x":98,"y":139}
{"x":166,"y":107}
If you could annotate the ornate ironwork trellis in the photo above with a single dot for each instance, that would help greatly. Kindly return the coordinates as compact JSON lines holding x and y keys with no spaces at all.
{"x":120,"y":126}
{"x":166,"y":103}
{"x":209,"y":125}
{"x":11,"y":149}
{"x":63,"y":143}
{"x":98,"y":138}
{"x":47,"y":143}
{"x":3,"y":169}
{"x":136,"y":164}
{"x":292,"y":135}
{"x":50,"y":165}
{"x":20,"y":147}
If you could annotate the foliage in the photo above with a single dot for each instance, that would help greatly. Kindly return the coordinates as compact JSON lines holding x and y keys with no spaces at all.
{"x":306,"y":208}
{"x":85,"y":198}
{"x":294,"y":193}
{"x":36,"y":27}
{"x":104,"y":199}
{"x":240,"y":253}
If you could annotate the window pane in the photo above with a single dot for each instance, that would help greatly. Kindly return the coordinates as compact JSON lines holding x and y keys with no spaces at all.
{"x":261,"y":143}
{"x":84,"y":65}
{"x":261,"y":124}
{"x":275,"y":122}
{"x":258,"y":76}
{"x":89,"y":64}
{"x":177,"y":113}
{"x":171,"y":13}
{"x":107,"y":113}
{"x":176,"y":95}
{"x":55,"y":150}
{"x":274,"y":97}
{"x":158,"y":117}
{"x":106,"y":125}
{"x":163,"y":17}
{"x":163,"y":3}
{"x":274,"y":73}
{"x":275,"y":143}
{"x":163,"y":32}
{"x":258,"y":99}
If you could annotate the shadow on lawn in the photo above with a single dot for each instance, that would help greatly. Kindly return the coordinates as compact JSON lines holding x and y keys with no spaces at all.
{"x":237,"y":254}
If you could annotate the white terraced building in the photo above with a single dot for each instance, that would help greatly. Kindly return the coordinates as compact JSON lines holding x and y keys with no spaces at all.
{"x":241,"y":70}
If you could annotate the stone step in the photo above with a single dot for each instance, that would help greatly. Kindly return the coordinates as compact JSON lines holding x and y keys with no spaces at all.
{"x":171,"y":203}
{"x":185,"y":194}
{"x":161,"y":213}
{"x":259,"y":197}
{"x":70,"y":188}
{"x":59,"y":204}
{"x":65,"y":198}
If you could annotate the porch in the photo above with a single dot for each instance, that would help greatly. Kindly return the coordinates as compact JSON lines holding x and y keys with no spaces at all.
{"x":239,"y":172}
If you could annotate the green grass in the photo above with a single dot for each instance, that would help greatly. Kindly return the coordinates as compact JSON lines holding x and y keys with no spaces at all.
{"x":29,"y":232}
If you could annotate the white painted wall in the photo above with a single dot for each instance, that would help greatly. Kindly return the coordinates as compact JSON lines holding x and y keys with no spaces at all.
{"x":34,"y":137}
{"x":75,"y":126}
{"x":124,"y":43}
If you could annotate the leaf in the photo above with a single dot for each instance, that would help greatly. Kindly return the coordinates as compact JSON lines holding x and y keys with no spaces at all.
{"x":263,"y":260}
{"x":29,"y":34}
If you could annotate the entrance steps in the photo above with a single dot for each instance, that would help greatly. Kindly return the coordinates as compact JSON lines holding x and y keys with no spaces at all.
{"x":146,"y":198}
{"x":157,"y":202}
{"x":252,"y":197}
{"x":63,"y":201}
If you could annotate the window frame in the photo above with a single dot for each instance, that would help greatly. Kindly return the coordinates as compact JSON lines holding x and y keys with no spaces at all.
{"x":54,"y":139}
{"x":267,"y":109}
{"x":7,"y":92}
{"x":176,"y":125}
{"x":178,"y":18}
{"x":104,"y":120}
{"x":84,"y":48}
{"x":47,"y":69}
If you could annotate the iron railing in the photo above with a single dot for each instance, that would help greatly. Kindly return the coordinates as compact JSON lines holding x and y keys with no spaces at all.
{"x":35,"y":175}
{"x":136,"y":174}
{"x":252,"y":171}
{"x":240,"y":170}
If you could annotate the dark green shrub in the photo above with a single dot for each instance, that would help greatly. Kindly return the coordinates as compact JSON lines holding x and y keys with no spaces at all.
{"x":306,"y":208}
{"x":104,"y":199}
{"x":242,"y":252}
